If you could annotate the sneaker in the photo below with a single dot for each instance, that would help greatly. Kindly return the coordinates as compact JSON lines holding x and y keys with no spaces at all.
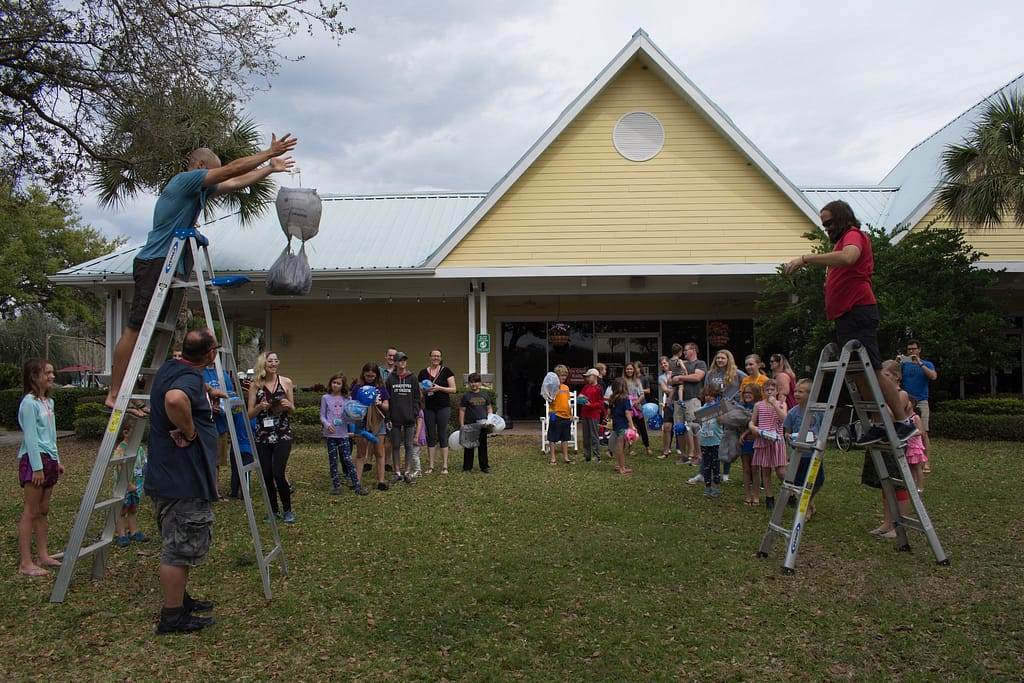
{"x":192,"y":605}
{"x":905,"y":430}
{"x":185,"y":622}
{"x":417,"y":474}
{"x":382,"y":487}
{"x":682,"y":461}
{"x":698,"y":479}
{"x":486,"y":470}
{"x":360,"y":491}
{"x":336,"y":491}
{"x":725,"y":478}
{"x":707,"y":492}
{"x":395,"y":479}
{"x":289,"y":517}
{"x":872,"y":436}
{"x":140,"y":537}
{"x":123,"y":541}
{"x":407,"y":478}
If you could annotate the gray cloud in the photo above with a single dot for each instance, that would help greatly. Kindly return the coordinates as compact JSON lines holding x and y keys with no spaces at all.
{"x":449,"y":95}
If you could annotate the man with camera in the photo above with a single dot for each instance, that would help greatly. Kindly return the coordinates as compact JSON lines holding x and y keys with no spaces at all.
{"x":917,"y":374}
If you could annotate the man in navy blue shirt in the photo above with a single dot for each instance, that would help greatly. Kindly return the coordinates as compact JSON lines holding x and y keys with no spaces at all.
{"x":181,"y":476}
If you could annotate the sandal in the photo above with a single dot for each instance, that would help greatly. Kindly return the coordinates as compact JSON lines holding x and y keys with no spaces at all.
{"x":569,"y":462}
{"x":444,"y":470}
{"x":553,"y":462}
{"x":880,"y":531}
{"x":429,"y":470}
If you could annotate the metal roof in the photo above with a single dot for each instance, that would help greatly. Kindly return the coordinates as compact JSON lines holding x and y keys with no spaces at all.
{"x":869,"y":204}
{"x":357,"y":233}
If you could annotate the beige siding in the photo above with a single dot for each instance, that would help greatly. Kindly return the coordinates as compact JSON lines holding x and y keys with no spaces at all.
{"x":1002,"y":243}
{"x":321,"y":339}
{"x":699,"y":201}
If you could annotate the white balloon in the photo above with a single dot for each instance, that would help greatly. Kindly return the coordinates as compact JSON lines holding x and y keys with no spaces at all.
{"x":453,"y":441}
{"x":496,"y":421}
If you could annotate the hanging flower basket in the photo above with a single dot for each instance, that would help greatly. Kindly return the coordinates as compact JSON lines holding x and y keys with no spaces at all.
{"x":558,"y":335}
{"x":718,"y":333}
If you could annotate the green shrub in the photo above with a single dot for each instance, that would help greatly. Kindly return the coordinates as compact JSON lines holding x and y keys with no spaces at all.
{"x":306,"y":415}
{"x":307,"y":434}
{"x":305,"y":399}
{"x":975,"y":427}
{"x":90,"y":427}
{"x":65,"y":404}
{"x":982,"y":406}
{"x":10,"y":376}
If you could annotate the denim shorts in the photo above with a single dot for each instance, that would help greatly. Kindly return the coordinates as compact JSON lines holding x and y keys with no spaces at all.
{"x":186,"y":529}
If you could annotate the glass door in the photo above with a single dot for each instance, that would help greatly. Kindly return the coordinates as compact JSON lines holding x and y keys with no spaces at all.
{"x":615,"y":350}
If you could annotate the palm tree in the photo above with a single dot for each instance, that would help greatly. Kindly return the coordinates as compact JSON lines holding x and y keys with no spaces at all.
{"x":983,"y":177}
{"x":148,"y":141}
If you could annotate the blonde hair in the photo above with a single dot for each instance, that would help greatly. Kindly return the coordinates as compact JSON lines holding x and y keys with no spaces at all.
{"x":561,"y":370}
{"x":259,"y":373}
{"x":730,"y":366}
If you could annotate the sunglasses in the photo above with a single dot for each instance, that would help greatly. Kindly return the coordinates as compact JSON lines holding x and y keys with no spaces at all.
{"x":827,"y":224}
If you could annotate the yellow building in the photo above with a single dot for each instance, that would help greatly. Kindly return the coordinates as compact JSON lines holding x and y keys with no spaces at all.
{"x":640,"y":218}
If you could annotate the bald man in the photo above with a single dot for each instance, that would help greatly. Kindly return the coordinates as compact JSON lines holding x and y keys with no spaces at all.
{"x":180,"y":206}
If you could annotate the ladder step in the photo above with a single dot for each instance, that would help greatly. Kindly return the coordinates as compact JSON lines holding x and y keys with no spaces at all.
{"x":163,"y":326}
{"x":90,"y":549}
{"x":108,"y":503}
{"x":779,"y":529}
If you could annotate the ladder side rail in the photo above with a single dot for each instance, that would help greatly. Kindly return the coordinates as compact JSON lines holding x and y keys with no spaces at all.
{"x":204,"y":274}
{"x":112,"y":434}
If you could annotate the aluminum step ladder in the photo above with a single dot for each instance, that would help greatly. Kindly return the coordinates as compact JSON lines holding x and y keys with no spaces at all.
{"x":888,"y":456}
{"x":188,"y":256}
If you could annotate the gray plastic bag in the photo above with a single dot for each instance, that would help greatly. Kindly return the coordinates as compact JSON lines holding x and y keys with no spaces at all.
{"x":290,"y":273}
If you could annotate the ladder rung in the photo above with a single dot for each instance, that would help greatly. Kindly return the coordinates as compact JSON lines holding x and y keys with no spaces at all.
{"x":164,"y":326}
{"x":820,"y":407}
{"x":90,"y":549}
{"x":123,"y":458}
{"x":779,"y":529}
{"x":109,"y":502}
{"x":803,"y":446}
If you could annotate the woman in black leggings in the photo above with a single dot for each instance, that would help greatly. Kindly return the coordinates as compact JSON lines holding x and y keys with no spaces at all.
{"x":437,"y":407}
{"x":270,"y":401}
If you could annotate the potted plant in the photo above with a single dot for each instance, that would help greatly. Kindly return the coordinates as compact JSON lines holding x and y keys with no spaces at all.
{"x":718,"y":334}
{"x":558,"y":334}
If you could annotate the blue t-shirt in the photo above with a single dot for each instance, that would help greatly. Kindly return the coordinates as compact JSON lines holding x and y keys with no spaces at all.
{"x":915,"y":382}
{"x":189,"y":472}
{"x":795,"y":416}
{"x":178,"y":206}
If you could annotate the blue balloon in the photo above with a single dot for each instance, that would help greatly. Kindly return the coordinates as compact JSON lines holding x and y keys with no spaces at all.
{"x":656,"y":422}
{"x":649,"y":410}
{"x":367,"y":395}
{"x":679,"y":428}
{"x":582,"y":400}
{"x":426,"y":385}
{"x":355,"y":411}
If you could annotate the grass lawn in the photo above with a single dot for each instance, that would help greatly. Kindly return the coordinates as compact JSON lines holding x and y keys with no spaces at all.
{"x":550,"y":573}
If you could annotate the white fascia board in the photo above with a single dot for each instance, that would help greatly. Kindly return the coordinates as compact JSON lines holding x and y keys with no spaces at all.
{"x":597,"y":271}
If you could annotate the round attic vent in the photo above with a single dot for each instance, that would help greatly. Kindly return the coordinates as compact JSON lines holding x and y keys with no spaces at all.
{"x":638,"y":136}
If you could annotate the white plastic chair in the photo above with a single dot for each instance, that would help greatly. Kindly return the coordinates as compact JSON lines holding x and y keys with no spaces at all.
{"x":572,"y":424}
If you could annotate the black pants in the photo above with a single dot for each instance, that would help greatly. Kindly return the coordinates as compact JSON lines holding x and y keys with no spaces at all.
{"x":273,"y":461}
{"x":467,"y":455}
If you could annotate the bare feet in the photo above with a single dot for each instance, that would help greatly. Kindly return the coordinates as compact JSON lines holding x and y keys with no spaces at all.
{"x":49,"y":562}
{"x":33,"y":571}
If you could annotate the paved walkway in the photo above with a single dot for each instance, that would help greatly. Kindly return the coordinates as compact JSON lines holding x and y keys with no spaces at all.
{"x":13,"y":437}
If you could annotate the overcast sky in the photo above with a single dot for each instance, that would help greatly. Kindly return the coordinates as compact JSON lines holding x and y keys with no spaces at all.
{"x":447,"y":95}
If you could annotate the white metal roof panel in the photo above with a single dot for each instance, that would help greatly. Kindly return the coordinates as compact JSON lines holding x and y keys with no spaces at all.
{"x":357,"y":233}
{"x":869,"y":204}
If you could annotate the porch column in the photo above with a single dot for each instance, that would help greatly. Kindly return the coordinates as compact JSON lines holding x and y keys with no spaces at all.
{"x":483,"y":325}
{"x":471,"y":365}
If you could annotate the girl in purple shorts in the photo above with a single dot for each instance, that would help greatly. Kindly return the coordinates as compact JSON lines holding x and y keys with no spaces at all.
{"x":39,"y":467}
